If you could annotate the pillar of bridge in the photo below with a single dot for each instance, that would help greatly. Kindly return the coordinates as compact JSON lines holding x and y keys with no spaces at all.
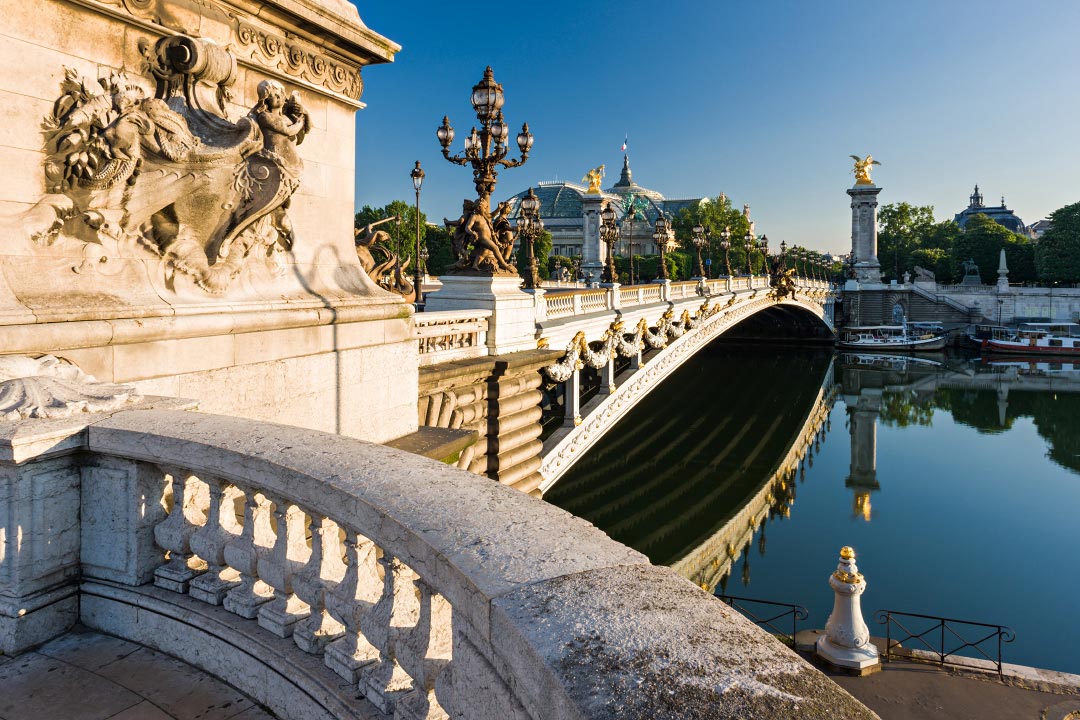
{"x":593,"y":252}
{"x":864,"y":234}
{"x":512,"y":326}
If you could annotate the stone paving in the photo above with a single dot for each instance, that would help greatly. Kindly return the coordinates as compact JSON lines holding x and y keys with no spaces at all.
{"x":84,"y":675}
{"x":914,"y":691}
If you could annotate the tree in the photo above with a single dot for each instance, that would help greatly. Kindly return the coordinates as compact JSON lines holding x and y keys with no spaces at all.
{"x":1057,"y":254}
{"x":714,"y":216}
{"x":902,"y":229}
{"x":541,"y":248}
{"x":402,"y":231}
{"x":982,"y":241}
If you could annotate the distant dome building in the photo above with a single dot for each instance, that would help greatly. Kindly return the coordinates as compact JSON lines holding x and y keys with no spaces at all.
{"x":1001,"y":215}
{"x":561,"y":212}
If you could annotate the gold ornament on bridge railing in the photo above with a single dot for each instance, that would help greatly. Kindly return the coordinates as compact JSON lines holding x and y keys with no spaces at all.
{"x":862,"y":169}
{"x":594,"y":177}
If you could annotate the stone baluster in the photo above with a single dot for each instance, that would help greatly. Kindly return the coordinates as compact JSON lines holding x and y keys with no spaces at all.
{"x":242,"y":554}
{"x":277,"y":567}
{"x":209,"y":543}
{"x":323,"y":571}
{"x":425,"y":653}
{"x":174,"y":535}
{"x":572,"y":400}
{"x":348,"y":602}
{"x":385,"y":682}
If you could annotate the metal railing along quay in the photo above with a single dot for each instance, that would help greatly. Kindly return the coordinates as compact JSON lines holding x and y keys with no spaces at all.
{"x":766,"y":621}
{"x":995,"y":633}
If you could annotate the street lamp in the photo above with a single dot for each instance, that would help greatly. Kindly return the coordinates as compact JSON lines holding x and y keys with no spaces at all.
{"x":660,"y":237}
{"x":609,"y":233}
{"x":529,"y":228}
{"x":748,"y":242}
{"x":698,"y":232}
{"x":417,"y":176}
{"x":765,"y":256}
{"x":633,"y":208}
{"x":725,"y":243}
{"x":486,"y":149}
{"x":783,"y":255}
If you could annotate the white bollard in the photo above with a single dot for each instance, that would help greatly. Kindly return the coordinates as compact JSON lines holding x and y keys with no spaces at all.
{"x":846,"y":642}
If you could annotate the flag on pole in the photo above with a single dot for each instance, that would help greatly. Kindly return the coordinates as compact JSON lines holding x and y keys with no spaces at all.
{"x":623,"y":148}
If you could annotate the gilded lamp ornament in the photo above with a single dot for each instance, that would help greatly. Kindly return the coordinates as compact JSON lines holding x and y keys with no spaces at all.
{"x":482,"y":240}
{"x":862,"y":169}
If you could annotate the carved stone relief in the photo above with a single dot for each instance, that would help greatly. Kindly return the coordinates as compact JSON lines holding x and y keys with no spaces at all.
{"x":171,"y":174}
{"x":295,"y":60}
{"x":48,"y":387}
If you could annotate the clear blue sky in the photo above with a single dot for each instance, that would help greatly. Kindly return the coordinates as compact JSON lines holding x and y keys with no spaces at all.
{"x":761,"y":100}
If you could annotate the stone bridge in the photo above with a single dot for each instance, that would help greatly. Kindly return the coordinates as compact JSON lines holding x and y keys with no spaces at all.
{"x":599,"y":351}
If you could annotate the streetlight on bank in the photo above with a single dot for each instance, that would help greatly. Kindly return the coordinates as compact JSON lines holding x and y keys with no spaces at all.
{"x":748,"y":242}
{"x":417,"y":176}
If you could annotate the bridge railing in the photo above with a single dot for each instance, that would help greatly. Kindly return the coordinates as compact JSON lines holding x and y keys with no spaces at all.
{"x":451,"y":335}
{"x":320,"y":573}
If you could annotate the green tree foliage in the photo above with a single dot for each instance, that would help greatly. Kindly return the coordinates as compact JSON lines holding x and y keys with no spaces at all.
{"x":982,"y":241}
{"x":714,"y":216}
{"x":902,"y":229}
{"x":1057,"y":254}
{"x":402,"y":231}
{"x":440,"y":254}
{"x":542,"y":250}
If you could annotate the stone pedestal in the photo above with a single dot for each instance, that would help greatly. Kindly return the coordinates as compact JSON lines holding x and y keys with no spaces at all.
{"x":846,"y":642}
{"x":1003,"y":274}
{"x":227,"y":274}
{"x":512,"y":326}
{"x":864,"y":233}
{"x":593,"y":251}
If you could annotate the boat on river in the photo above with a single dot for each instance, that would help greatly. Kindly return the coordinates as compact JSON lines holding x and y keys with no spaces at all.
{"x":892,"y":338}
{"x":1030,"y":339}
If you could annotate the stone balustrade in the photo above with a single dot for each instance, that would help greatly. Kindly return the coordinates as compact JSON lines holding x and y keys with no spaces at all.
{"x":451,"y":335}
{"x":331,"y":578}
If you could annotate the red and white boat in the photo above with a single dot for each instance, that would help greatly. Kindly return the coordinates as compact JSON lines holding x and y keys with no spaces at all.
{"x":1034,"y":339}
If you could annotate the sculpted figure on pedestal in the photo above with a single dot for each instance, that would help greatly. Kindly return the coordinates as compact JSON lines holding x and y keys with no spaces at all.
{"x":171,"y":174}
{"x":390,"y":273}
{"x":475,"y":244}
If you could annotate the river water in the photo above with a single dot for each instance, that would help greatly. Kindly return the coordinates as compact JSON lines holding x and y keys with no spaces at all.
{"x":956,"y":481}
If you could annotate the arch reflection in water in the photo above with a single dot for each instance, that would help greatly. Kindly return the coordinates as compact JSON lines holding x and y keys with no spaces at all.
{"x":980,"y":457}
{"x":692,"y":471}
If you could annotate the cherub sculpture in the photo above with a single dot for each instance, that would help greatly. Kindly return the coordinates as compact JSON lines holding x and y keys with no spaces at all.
{"x":594,"y":177}
{"x":862,"y":169}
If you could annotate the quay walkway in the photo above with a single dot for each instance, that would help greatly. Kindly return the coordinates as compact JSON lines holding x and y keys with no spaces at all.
{"x":85,"y":675}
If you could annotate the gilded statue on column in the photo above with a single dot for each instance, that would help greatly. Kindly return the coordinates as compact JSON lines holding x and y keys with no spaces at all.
{"x":862,"y":169}
{"x":594,"y":177}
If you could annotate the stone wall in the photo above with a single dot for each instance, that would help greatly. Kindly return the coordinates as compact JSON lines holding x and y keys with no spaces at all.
{"x":158,"y":228}
{"x":498,"y":397}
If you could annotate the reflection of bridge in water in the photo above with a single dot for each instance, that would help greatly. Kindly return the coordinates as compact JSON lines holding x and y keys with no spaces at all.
{"x":742,"y":433}
{"x":736,"y":442}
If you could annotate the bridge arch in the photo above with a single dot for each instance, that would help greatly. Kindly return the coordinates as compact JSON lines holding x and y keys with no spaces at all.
{"x":714,"y":318}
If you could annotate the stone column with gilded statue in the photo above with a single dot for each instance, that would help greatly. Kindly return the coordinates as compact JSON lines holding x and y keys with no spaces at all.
{"x":593,"y":252}
{"x":865,"y":263}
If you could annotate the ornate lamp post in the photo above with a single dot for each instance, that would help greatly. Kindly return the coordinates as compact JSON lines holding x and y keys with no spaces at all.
{"x":660,"y":237}
{"x":764,"y":245}
{"x":417,"y":176}
{"x":529,"y":228}
{"x":725,"y":243}
{"x":783,"y":256}
{"x":486,"y":149}
{"x":609,"y":233}
{"x":698,"y":232}
{"x":633,"y":208}
{"x":748,"y":242}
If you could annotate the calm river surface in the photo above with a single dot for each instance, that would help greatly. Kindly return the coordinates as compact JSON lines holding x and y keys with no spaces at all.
{"x":957,"y":482}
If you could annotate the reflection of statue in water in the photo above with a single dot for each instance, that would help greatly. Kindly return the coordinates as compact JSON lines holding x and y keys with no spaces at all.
{"x":594,"y":178}
{"x":862,"y":169}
